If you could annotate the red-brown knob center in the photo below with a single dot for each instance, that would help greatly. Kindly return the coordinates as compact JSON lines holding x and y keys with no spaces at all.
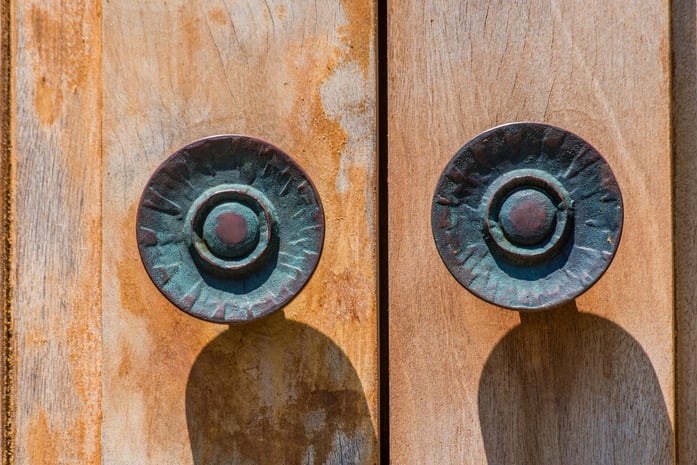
{"x":231,"y":230}
{"x":527,"y":217}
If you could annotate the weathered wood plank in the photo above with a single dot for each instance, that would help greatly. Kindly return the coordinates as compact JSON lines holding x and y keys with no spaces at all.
{"x":57,"y":243}
{"x":589,"y":383}
{"x":300,"y":385}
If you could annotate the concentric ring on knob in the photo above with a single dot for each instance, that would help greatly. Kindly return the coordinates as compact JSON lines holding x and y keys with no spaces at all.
{"x":229,"y":228}
{"x":527,"y":216}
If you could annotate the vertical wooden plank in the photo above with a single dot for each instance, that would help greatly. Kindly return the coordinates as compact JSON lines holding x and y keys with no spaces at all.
{"x":57,"y":250}
{"x":299,"y":386}
{"x":684,"y":46}
{"x":591,"y":382}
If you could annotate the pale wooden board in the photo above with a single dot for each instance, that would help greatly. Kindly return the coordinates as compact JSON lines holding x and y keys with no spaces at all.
{"x":470,"y":383}
{"x":302,"y":384}
{"x":684,"y":46}
{"x":57,"y":243}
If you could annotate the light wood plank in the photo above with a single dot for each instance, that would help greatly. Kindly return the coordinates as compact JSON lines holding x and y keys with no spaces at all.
{"x":301,"y":385}
{"x":588,"y":383}
{"x":57,"y":243}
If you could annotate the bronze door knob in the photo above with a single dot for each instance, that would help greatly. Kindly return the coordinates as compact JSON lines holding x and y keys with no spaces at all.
{"x":230,"y":228}
{"x":527,"y":216}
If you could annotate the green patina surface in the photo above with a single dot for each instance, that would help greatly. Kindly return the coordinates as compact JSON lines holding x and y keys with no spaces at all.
{"x":527,"y":216}
{"x":230,"y":228}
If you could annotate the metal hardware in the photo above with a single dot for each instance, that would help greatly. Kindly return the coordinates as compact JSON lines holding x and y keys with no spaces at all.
{"x":229,"y":228}
{"x":527,"y":216}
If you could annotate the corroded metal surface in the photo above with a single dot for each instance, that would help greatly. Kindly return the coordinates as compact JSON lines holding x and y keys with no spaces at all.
{"x":230,"y":228}
{"x":527,"y":216}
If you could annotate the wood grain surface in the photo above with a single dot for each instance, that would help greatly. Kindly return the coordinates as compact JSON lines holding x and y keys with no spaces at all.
{"x":591,"y":382}
{"x":56,"y":300}
{"x":301,"y":385}
{"x":102,"y":369}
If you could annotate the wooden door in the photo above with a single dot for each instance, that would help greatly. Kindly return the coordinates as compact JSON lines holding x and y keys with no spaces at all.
{"x":99,"y":366}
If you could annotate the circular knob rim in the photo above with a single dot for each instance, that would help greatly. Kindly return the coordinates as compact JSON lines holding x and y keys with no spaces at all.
{"x":477,"y":252}
{"x":188,"y":186}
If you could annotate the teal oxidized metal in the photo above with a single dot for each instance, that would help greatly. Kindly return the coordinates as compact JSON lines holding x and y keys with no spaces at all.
{"x":230,"y":228}
{"x":527,"y":216}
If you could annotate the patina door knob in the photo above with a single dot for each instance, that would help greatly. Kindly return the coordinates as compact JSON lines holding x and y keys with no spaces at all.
{"x":527,"y":216}
{"x":229,"y":228}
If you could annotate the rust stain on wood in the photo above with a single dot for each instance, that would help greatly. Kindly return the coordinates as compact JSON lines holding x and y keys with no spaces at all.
{"x":346,"y":280}
{"x":344,"y":283}
{"x":63,"y":54}
{"x":46,"y":442}
{"x":58,"y":197}
{"x":43,"y":448}
{"x":277,"y":391}
{"x":358,"y":33}
{"x":218,"y":16}
{"x":346,"y":181}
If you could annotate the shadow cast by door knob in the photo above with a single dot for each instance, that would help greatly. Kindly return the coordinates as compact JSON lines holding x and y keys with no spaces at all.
{"x":277,"y":391}
{"x":567,"y":387}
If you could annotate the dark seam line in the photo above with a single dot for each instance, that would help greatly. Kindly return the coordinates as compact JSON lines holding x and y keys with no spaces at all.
{"x":383,"y":237}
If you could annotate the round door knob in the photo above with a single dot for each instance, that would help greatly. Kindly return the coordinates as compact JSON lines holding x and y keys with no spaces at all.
{"x":229,"y":228}
{"x":527,"y":216}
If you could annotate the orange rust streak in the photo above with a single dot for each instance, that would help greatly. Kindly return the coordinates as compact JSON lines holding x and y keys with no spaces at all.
{"x":360,"y":27}
{"x":63,"y":54}
{"x":44,"y":448}
{"x":58,"y":180}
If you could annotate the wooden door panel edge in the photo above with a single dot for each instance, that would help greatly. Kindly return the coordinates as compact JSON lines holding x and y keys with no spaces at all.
{"x":684,"y":48}
{"x":6,"y":341}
